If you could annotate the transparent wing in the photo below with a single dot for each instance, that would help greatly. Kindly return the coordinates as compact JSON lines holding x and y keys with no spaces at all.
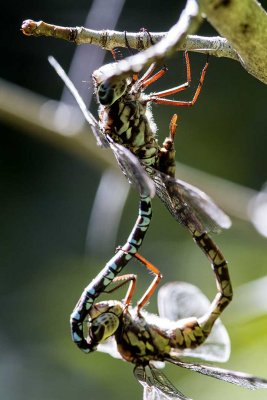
{"x":234,"y":377}
{"x":129,"y":164}
{"x":100,"y":137}
{"x":188,"y":204}
{"x":133,"y":170}
{"x":178,"y":300}
{"x":156,"y":385}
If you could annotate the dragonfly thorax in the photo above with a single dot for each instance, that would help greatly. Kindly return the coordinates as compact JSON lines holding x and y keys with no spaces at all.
{"x":125,"y":115}
{"x":139,"y":341}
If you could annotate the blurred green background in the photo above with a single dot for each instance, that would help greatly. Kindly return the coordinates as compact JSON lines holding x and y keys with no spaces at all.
{"x":46,"y":198}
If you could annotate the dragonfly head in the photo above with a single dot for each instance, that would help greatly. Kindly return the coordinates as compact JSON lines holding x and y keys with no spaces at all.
{"x":104,"y":320}
{"x":108,"y":90}
{"x":111,"y":90}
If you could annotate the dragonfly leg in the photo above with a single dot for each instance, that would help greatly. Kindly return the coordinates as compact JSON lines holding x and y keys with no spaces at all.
{"x":108,"y":273}
{"x":150,"y":290}
{"x":220,"y":268}
{"x":179,"y":88}
{"x":146,"y":79}
{"x":158,"y":97}
{"x":123,"y":280}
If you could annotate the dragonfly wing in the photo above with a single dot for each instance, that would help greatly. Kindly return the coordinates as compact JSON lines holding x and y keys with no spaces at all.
{"x":174,"y":201}
{"x":100,"y":137}
{"x":234,"y":377}
{"x":133,"y":170}
{"x":211,"y":215}
{"x":188,"y":204}
{"x":156,"y":385}
{"x":178,"y":300}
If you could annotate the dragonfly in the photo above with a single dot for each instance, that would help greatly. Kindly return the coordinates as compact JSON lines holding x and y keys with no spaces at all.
{"x":126,"y":127}
{"x":179,"y":331}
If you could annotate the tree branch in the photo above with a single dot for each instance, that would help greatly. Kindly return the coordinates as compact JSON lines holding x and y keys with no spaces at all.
{"x":243,"y":23}
{"x":189,"y":21}
{"x":109,"y":39}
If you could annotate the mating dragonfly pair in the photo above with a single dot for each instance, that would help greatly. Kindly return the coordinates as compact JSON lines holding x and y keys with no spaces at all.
{"x":125,"y":126}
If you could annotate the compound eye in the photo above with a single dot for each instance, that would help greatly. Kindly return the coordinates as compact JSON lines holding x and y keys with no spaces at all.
{"x":103,"y":327}
{"x":108,"y":92}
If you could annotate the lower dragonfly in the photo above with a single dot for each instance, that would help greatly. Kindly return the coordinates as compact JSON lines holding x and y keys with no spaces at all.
{"x":185,"y":327}
{"x":125,"y":126}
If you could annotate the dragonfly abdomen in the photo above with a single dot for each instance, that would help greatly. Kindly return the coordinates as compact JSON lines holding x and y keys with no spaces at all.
{"x":187,"y":335}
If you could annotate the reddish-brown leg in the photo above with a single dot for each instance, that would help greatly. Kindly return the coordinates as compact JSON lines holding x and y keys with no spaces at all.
{"x":148,"y":293}
{"x":148,"y":73}
{"x":157,"y":97}
{"x":147,"y":81}
{"x":124,"y":279}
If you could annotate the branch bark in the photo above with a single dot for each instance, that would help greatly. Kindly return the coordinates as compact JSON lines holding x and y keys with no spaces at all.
{"x":243,"y":23}
{"x":109,"y":39}
{"x":188,"y":22}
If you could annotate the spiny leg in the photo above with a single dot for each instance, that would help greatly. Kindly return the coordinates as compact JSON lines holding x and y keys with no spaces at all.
{"x":176,"y":89}
{"x":147,"y":73}
{"x":108,"y":273}
{"x":123,"y":280}
{"x":220,"y":268}
{"x":157,"y":97}
{"x":146,"y":80}
{"x":150,"y":290}
{"x":132,"y":278}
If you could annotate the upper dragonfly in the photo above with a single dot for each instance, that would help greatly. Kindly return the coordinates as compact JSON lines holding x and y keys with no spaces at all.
{"x":125,"y":116}
{"x":125,"y":125}
{"x":147,"y":340}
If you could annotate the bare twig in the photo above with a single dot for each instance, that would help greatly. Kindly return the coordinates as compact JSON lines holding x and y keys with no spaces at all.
{"x":109,"y":39}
